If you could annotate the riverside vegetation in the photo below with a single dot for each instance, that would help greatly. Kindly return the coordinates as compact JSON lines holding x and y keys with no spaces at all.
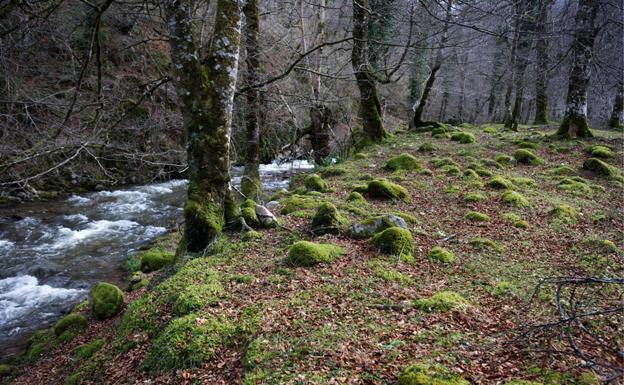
{"x":470,"y":221}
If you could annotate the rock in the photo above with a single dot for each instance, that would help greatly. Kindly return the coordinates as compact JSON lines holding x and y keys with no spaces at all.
{"x":372,"y":226}
{"x":265,"y":217}
{"x":272,"y":204}
{"x":327,"y":219}
{"x":107,"y":300}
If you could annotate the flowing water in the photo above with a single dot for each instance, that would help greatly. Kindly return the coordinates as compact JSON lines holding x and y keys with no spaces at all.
{"x":52,"y":252}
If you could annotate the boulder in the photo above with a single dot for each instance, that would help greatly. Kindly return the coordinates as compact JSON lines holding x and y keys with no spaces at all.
{"x":372,"y":226}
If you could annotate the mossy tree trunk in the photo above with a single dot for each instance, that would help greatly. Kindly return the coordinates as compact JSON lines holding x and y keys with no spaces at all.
{"x":370,"y":108}
{"x":618,"y":108}
{"x":527,"y":14}
{"x":437,"y":64}
{"x":206,"y":91}
{"x":512,"y":75}
{"x":251,"y":185}
{"x":543,"y":62}
{"x":574,"y":122}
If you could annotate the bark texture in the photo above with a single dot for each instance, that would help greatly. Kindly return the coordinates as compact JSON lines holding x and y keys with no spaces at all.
{"x":370,"y":108}
{"x":206,"y":90}
{"x":618,"y":108}
{"x":543,"y":62}
{"x":574,"y":122}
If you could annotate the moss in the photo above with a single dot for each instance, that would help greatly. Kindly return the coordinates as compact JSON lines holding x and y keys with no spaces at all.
{"x":73,"y":379}
{"x":599,"y":167}
{"x":485,"y":243}
{"x":248,"y":212}
{"x":251,"y":236}
{"x":196,"y":296}
{"x":441,"y":255}
{"x":523,"y":382}
{"x":359,"y":156}
{"x":395,"y":241}
{"x":491,"y":163}
{"x":141,"y":316}
{"x":503,"y":289}
{"x":575,"y":187}
{"x":439,"y":131}
{"x":330,"y":171}
{"x":107,"y":300}
{"x":304,"y":253}
{"x":403,"y":162}
{"x":133,"y":263}
{"x":525,"y":156}
{"x":376,"y":224}
{"x":314,"y":182}
{"x":355,"y":196}
{"x":600,"y":151}
{"x":409,"y":218}
{"x":471,"y":174}
{"x":490,"y":130}
{"x":587,"y":378}
{"x":384,"y":189}
{"x":528,"y":145}
{"x":522,"y":181}
{"x":499,"y":182}
{"x":391,"y":275}
{"x":561,"y":170}
{"x":516,"y":220}
{"x":203,"y":223}
{"x":438,"y":163}
{"x":74,"y":322}
{"x":327,"y":219}
{"x":451,"y":170}
{"x":453,"y":189}
{"x":298,"y":202}
{"x":564,"y":213}
{"x":503,"y":159}
{"x":515,"y":199}
{"x":463,"y":137}
{"x":155,"y":259}
{"x":39,"y":344}
{"x":427,"y":147}
{"x":188,"y":341}
{"x":442,"y":302}
{"x":425,"y":374}
{"x":6,"y":370}
{"x":477,"y":217}
{"x":474,"y":197}
{"x":85,"y":351}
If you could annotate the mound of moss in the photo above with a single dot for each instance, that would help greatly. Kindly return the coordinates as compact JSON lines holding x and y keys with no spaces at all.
{"x":106,"y":300}
{"x":523,"y":182}
{"x":141,"y":316}
{"x":561,"y":170}
{"x":564,"y":213}
{"x":525,"y":156}
{"x":155,"y":259}
{"x":438,"y":163}
{"x":188,"y":341}
{"x":85,"y":351}
{"x":600,"y":151}
{"x":298,"y":202}
{"x":6,"y":370}
{"x":515,"y":199}
{"x":251,"y":236}
{"x":451,"y":170}
{"x":304,"y":253}
{"x":327,"y":219}
{"x":395,"y":241}
{"x":575,"y":186}
{"x":330,"y":171}
{"x":463,"y":137}
{"x":427,"y":147}
{"x":471,"y":174}
{"x":72,"y":322}
{"x":474,"y":197}
{"x":477,"y":216}
{"x":499,"y":182}
{"x":384,"y":189}
{"x":599,"y":167}
{"x":403,"y":161}
{"x":441,"y":255}
{"x":425,"y":374}
{"x":196,"y":296}
{"x":485,"y":243}
{"x":491,"y":163}
{"x":516,"y":220}
{"x":503,"y":289}
{"x":503,"y":159}
{"x":439,"y":131}
{"x":355,"y":196}
{"x":248,"y":212}
{"x":442,"y":302}
{"x":314,"y":182}
{"x":376,"y":224}
{"x":490,"y":130}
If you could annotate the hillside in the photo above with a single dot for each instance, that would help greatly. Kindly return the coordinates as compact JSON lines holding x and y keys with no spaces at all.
{"x":451,"y":299}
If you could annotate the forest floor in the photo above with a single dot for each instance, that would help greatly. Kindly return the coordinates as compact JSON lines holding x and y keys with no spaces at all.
{"x":247,"y":314}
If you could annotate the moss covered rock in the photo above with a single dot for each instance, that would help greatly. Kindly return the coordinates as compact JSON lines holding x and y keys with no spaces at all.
{"x":600,"y":151}
{"x":564,"y":213}
{"x":463,"y":137}
{"x":248,"y":212}
{"x":155,"y":259}
{"x":251,"y":236}
{"x":441,"y":255}
{"x":525,"y":156}
{"x":376,"y":224}
{"x":355,"y":196}
{"x":74,"y":322}
{"x":477,"y":216}
{"x":474,"y":197}
{"x":314,"y":182}
{"x":395,"y":241}
{"x":499,"y":182}
{"x":439,"y":131}
{"x":403,"y":162}
{"x":442,"y":302}
{"x":427,"y":147}
{"x":515,"y":199}
{"x":599,"y":167}
{"x":384,"y":189}
{"x":327,"y":219}
{"x":561,"y":170}
{"x":451,"y":170}
{"x":304,"y":253}
{"x":106,"y":300}
{"x":503,"y":159}
{"x":298,"y":202}
{"x":426,"y":374}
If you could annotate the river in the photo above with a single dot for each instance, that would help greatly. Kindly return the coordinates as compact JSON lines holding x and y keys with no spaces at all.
{"x":52,"y":252}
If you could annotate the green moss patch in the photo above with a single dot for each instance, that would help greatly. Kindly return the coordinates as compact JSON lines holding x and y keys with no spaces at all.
{"x":71,"y":322}
{"x":463,"y":137}
{"x":442,"y":302}
{"x":106,"y":300}
{"x":85,"y":351}
{"x":485,"y":243}
{"x":499,"y":182}
{"x":451,"y":170}
{"x":564,"y":213}
{"x":516,"y":220}
{"x":327,"y":220}
{"x":427,"y":147}
{"x":477,"y":216}
{"x":474,"y":197}
{"x":525,"y":156}
{"x":304,"y":253}
{"x":425,"y":374}
{"x":438,"y":163}
{"x":576,"y":187}
{"x":155,"y":259}
{"x":599,"y":167}
{"x":561,"y":170}
{"x":335,"y":170}
{"x":503,"y":159}
{"x":248,"y":212}
{"x":384,"y":189}
{"x":395,"y":241}
{"x":314,"y":182}
{"x":298,"y":202}
{"x":403,"y":162}
{"x":515,"y":199}
{"x":503,"y":289}
{"x":441,"y":255}
{"x":602,"y":152}
{"x":355,"y":196}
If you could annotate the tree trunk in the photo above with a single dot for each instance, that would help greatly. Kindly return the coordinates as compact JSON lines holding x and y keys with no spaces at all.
{"x":497,"y":76}
{"x":251,"y":185}
{"x":575,"y":118}
{"x":206,"y":91}
{"x":370,"y":109}
{"x":618,"y":108}
{"x":417,"y":119}
{"x":512,"y":76}
{"x":541,"y":76}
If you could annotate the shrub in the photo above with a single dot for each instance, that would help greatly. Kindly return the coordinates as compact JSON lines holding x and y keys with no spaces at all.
{"x":72,"y":322}
{"x":440,"y":254}
{"x":314,"y":182}
{"x":403,"y":162}
{"x":515,"y":199}
{"x":477,"y":217}
{"x":523,"y":155}
{"x":442,"y":302}
{"x":395,"y":241}
{"x":107,"y":300}
{"x":304,"y":253}
{"x":327,"y":219}
{"x":384,"y":189}
{"x":155,"y":259}
{"x":500,"y":182}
